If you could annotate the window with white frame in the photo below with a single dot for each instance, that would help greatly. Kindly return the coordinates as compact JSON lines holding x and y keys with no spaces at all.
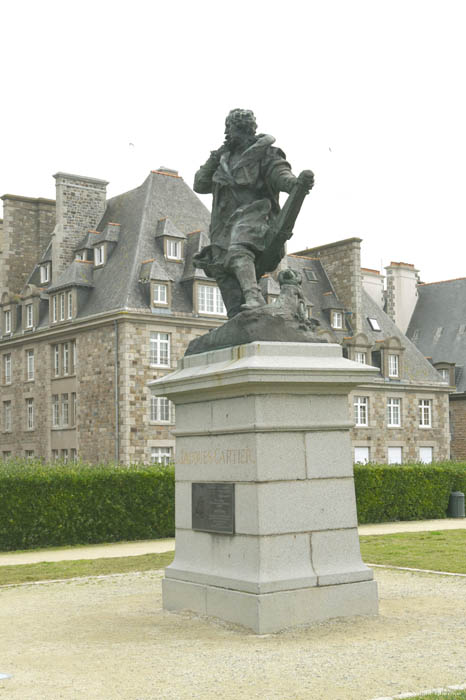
{"x":360,"y":357}
{"x":159,"y":293}
{"x":445,"y":374}
{"x":161,"y":455}
{"x":65,"y":412}
{"x":425,"y":413}
{"x":173,"y":249}
{"x":393,"y":365}
{"x":395,"y":455}
{"x":56,"y":360}
{"x":99,"y":254}
{"x":62,"y":307}
{"x":70,"y":304}
{"x":159,"y":349}
{"x":361,"y":455}
{"x":209,"y":300}
{"x":394,"y":413}
{"x":45,"y":273}
{"x":361,"y":410}
{"x":74,"y":405}
{"x":66,"y":359}
{"x":337,"y":319}
{"x":7,"y":416}
{"x":55,"y":411}
{"x":7,"y":369}
{"x":374,"y":324}
{"x":29,"y":316}
{"x":74,"y":454}
{"x":64,"y":455}
{"x":55,"y":455}
{"x":160,"y":409}
{"x":426,"y":454}
{"x":30,"y":414}
{"x":54,"y":308}
{"x":7,"y":316}
{"x":30,"y":365}
{"x":29,"y":454}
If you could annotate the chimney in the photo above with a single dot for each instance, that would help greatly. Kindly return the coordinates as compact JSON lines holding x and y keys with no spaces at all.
{"x":28,"y":223}
{"x":402,"y":281}
{"x":373,"y":284}
{"x":342,"y":264}
{"x":80,"y":206}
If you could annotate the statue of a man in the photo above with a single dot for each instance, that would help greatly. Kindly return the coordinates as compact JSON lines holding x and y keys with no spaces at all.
{"x":245,"y":176}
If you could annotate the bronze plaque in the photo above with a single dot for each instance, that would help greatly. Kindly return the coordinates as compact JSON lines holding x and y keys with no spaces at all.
{"x":213,"y":507}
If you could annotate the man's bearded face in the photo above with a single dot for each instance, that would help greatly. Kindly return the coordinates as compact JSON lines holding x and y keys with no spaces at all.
{"x":238,"y":134}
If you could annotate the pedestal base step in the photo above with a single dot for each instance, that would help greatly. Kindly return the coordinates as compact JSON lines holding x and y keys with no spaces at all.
{"x":272,"y":612}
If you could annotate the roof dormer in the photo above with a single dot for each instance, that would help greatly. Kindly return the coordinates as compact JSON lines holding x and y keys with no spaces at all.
{"x":172,"y":239}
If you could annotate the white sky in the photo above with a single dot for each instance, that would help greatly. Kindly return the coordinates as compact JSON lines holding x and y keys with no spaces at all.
{"x":369,"y":94}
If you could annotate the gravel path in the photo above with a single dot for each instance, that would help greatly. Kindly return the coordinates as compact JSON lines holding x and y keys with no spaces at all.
{"x":109,"y":639}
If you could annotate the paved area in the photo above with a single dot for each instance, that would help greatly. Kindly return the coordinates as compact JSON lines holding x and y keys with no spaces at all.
{"x":109,"y":639}
{"x":127,"y":549}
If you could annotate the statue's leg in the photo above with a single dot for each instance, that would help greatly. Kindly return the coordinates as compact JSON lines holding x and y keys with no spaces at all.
{"x":231,"y":293}
{"x":241,"y":264}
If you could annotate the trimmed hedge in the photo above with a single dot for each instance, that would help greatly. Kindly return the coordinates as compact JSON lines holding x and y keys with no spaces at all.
{"x":62,"y":504}
{"x":386,"y":493}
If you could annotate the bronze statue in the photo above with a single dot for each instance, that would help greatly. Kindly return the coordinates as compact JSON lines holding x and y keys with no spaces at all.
{"x":248,"y":230}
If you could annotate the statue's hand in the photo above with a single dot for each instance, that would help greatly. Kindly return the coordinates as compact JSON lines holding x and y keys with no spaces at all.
{"x":306,"y":178}
{"x":216,"y":155}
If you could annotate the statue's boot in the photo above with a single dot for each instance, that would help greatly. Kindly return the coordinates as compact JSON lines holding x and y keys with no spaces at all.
{"x":244,"y":270}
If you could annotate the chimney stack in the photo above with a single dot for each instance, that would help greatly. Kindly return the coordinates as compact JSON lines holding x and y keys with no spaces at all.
{"x":402,"y":282}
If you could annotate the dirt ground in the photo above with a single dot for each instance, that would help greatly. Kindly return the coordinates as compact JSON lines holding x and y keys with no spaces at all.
{"x":109,"y":639}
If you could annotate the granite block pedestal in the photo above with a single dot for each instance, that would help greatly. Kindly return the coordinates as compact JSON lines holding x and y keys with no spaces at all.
{"x":272,"y":543}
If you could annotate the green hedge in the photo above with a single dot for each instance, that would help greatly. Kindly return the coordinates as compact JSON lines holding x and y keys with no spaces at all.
{"x":386,"y":493}
{"x":61,"y":504}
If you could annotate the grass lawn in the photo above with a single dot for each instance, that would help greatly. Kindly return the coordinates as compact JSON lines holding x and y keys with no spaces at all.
{"x":440,"y":551}
{"x":447,"y":695}
{"x":23,"y":573}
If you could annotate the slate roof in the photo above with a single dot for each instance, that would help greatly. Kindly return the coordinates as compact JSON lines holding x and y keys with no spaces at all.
{"x":79,"y":274}
{"x":438,"y":325}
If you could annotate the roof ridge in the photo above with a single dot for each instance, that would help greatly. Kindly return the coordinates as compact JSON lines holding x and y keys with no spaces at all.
{"x":454,"y":279}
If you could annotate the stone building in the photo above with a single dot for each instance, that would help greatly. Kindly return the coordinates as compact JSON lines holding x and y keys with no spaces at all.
{"x":99,"y":297}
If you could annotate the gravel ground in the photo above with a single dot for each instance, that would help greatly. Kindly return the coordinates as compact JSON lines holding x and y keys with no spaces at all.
{"x":109,"y":639}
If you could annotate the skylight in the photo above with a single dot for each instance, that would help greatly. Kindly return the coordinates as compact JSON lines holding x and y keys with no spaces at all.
{"x":374,"y":324}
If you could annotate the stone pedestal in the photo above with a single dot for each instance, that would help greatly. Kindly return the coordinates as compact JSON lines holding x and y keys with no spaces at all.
{"x":272,"y":419}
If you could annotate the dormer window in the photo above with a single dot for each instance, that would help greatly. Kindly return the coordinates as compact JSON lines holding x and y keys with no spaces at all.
{"x":209,"y":300}
{"x":99,"y":254}
{"x":29,"y":316}
{"x":45,"y":273}
{"x":159,"y":294}
{"x":7,"y":321}
{"x":337,"y":320}
{"x":360,"y":357}
{"x":393,"y":365}
{"x":173,"y":249}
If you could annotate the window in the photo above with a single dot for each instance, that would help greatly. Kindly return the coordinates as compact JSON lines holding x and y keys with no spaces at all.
{"x":393,"y":365}
{"x":173,"y":249}
{"x":56,"y":360}
{"x":361,"y":455}
{"x":337,"y":319}
{"x":161,"y":455}
{"x":160,"y":409}
{"x":74,"y":454}
{"x":7,"y":321}
{"x":55,"y":455}
{"x":62,"y":307}
{"x":159,"y":351}
{"x":426,"y":454}
{"x":445,"y":374}
{"x":73,"y":408}
{"x":361,"y":410}
{"x":45,"y":273}
{"x":7,"y":416}
{"x":209,"y":300}
{"x":160,"y":294}
{"x":394,"y":413}
{"x":310,"y":274}
{"x":29,"y":454}
{"x":64,"y":455}
{"x":99,"y":254}
{"x":30,"y":414}
{"x":65,"y":410}
{"x":66,"y":358}
{"x":55,"y":411}
{"x":70,"y":304}
{"x":7,"y":369}
{"x":30,"y":365}
{"x":395,"y":455}
{"x":425,"y":413}
{"x":374,"y":324}
{"x":29,"y":316}
{"x":360,"y":357}
{"x":54,"y":309}
{"x":6,"y":454}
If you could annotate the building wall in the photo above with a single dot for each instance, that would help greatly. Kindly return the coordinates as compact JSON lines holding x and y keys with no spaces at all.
{"x":27,"y":228}
{"x":378,"y":437}
{"x":458,"y":427}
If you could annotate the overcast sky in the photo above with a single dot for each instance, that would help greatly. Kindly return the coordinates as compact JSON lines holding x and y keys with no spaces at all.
{"x":368,"y":94}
